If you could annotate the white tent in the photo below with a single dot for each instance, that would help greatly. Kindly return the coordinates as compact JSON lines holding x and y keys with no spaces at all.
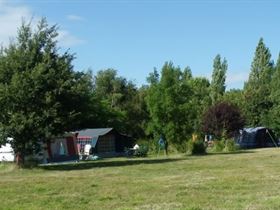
{"x":7,"y":153}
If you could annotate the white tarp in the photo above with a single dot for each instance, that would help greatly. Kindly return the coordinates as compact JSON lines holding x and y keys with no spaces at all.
{"x":7,"y":153}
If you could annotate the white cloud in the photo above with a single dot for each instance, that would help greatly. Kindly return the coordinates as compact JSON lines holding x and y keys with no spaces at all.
{"x":66,"y":39}
{"x":75,"y":18}
{"x":11,"y":17}
{"x":237,"y":77}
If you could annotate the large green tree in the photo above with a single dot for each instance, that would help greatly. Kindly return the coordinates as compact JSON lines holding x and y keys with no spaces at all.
{"x":274,"y":112}
{"x":258,"y":88}
{"x":122,"y":101}
{"x":218,"y":87}
{"x":169,"y":104}
{"x":41,"y":96}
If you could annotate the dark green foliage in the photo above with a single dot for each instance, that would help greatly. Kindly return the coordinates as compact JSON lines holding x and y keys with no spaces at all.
{"x":196,"y":147}
{"x":222,"y":119}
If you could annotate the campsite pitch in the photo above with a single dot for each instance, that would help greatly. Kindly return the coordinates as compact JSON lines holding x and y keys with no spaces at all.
{"x":247,"y":180}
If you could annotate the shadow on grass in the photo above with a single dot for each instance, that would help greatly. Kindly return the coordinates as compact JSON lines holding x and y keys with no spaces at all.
{"x":231,"y":153}
{"x":101,"y":164}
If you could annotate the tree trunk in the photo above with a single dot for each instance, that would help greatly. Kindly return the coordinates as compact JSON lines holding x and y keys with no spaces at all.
{"x":19,"y":159}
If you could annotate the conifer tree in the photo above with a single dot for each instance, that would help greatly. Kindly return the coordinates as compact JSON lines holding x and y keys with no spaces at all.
{"x":257,"y":90}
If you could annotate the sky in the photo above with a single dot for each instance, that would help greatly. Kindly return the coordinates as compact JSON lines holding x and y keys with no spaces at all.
{"x":134,"y":36}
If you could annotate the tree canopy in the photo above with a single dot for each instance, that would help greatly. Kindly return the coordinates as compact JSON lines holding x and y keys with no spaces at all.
{"x":41,"y":96}
{"x":258,"y":88}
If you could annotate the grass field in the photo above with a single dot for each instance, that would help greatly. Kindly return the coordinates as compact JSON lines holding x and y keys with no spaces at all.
{"x":247,"y":180}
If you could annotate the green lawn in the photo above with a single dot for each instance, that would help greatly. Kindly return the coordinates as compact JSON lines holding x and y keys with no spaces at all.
{"x":247,"y":180}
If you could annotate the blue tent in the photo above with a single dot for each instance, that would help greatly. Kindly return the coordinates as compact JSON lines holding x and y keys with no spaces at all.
{"x":256,"y":138}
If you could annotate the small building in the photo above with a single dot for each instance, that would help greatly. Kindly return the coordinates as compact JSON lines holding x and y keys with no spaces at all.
{"x":104,"y":141}
{"x":256,"y":138}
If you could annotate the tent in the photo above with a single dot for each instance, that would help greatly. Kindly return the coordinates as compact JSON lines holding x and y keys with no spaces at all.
{"x":59,"y":149}
{"x":256,"y":138}
{"x":62,"y":148}
{"x":104,"y":141}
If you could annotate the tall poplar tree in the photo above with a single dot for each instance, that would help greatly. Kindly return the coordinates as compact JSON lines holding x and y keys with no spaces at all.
{"x":274,"y":113}
{"x":218,"y":87}
{"x":258,"y":88}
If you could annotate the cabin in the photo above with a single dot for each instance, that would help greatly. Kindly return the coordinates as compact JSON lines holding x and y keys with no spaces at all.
{"x":106,"y":142}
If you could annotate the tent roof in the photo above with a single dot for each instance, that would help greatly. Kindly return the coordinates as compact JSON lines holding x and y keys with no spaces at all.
{"x":94,"y":132}
{"x":252,"y":130}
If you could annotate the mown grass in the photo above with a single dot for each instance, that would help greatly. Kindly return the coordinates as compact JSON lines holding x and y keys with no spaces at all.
{"x":248,"y":180}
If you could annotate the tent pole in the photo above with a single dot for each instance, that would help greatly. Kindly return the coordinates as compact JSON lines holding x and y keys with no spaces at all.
{"x":271,"y":137}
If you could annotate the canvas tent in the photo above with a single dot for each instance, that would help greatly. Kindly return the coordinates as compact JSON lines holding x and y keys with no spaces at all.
{"x":59,"y":149}
{"x":256,"y":138}
{"x":104,"y":141}
{"x":62,"y":148}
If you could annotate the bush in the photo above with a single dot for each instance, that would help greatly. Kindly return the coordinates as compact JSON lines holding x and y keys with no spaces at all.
{"x":196,"y":147}
{"x":230,"y":146}
{"x":218,"y":146}
{"x":142,"y":151}
{"x":224,"y":146}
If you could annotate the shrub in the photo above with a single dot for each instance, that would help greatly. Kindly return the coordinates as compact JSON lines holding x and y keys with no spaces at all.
{"x":227,"y":145}
{"x":218,"y":146}
{"x":230,"y":146}
{"x":196,"y":147}
{"x":142,"y":151}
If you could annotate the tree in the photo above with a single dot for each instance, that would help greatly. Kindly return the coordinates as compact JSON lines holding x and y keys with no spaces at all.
{"x":235,"y":97}
{"x":41,"y":96}
{"x":274,"y":112}
{"x":218,"y":87}
{"x":200,"y":100}
{"x":258,"y":88}
{"x":222,"y":118}
{"x":124,"y":109}
{"x":169,"y":105}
